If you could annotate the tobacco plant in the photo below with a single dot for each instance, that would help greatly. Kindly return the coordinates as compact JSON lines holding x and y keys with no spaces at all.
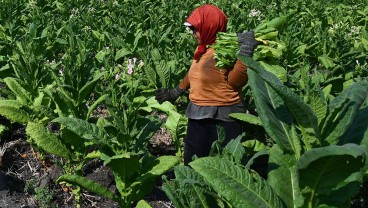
{"x":134,"y":169}
{"x":319,"y":157}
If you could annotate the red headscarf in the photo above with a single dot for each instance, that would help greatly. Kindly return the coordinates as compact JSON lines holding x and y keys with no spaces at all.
{"x":208,"y":20}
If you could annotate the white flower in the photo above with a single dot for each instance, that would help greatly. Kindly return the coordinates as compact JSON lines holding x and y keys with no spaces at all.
{"x":130,"y":61}
{"x":130,"y":68}
{"x":354,"y":30}
{"x":254,"y":13}
{"x":61,"y":72}
{"x":117,"y":76}
{"x":140,"y":63}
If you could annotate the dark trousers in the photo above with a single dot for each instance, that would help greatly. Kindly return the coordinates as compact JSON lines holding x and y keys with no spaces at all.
{"x":202,"y":133}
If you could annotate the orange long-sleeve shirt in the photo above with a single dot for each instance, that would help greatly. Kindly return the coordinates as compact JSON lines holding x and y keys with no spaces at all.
{"x":210,"y":86}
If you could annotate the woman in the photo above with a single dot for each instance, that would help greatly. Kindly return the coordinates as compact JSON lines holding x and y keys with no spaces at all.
{"x":214,"y":93}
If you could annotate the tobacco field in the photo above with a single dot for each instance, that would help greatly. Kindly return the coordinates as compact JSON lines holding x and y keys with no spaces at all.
{"x":80,"y":127}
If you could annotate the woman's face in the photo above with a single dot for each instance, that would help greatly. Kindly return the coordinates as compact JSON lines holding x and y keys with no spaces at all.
{"x":196,"y":34}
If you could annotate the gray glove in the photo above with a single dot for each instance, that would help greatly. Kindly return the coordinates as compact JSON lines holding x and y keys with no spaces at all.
{"x":247,"y":43}
{"x":165,"y":94}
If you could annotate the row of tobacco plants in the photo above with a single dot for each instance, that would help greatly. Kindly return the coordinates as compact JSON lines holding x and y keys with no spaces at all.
{"x":81,"y":76}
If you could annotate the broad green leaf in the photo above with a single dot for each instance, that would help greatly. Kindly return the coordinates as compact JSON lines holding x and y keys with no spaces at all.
{"x":15,"y":114}
{"x":174,"y":118}
{"x":342,"y":111}
{"x":276,"y":22}
{"x":80,"y":127}
{"x":163,"y":72}
{"x":96,"y":104}
{"x":171,"y":190}
{"x":318,"y":103}
{"x":98,"y":35}
{"x":123,"y":165}
{"x":74,"y":140}
{"x":188,"y":189}
{"x":100,"y":56}
{"x":64,"y":100}
{"x":143,"y":204}
{"x":87,"y":89}
{"x":10,"y":103}
{"x":23,"y":96}
{"x":144,"y":184}
{"x":138,"y":35}
{"x":61,"y":108}
{"x":93,"y":155}
{"x":277,"y":70}
{"x":183,"y":173}
{"x":4,"y":68}
{"x":162,"y":164}
{"x":275,"y":117}
{"x":358,"y":131}
{"x":38,"y":100}
{"x":122,"y":53}
{"x":365,"y":43}
{"x":283,"y":177}
{"x":47,"y":140}
{"x":249,"y":118}
{"x":235,"y":150}
{"x":241,"y":187}
{"x":333,"y":173}
{"x":89,"y":185}
{"x":302,"y":113}
{"x":326,"y":61}
{"x":254,"y":145}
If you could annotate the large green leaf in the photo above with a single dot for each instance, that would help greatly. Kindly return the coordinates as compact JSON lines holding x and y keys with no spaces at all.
{"x":249,"y":118}
{"x":318,"y":103}
{"x":194,"y":186}
{"x":61,"y":108}
{"x":15,"y":114}
{"x":171,"y":190}
{"x":47,"y":140}
{"x":80,"y":127}
{"x":144,"y":184}
{"x":87,"y":89}
{"x":23,"y":96}
{"x":162,"y":164}
{"x":123,"y":165}
{"x":173,"y":121}
{"x":302,"y":112}
{"x":276,"y":119}
{"x":88,"y":184}
{"x":283,"y":177}
{"x":342,"y":111}
{"x":188,"y":189}
{"x":241,"y":187}
{"x":333,"y":173}
{"x":10,"y":103}
{"x":143,"y":204}
{"x":234,"y":150}
{"x":10,"y":109}
{"x":358,"y":131}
